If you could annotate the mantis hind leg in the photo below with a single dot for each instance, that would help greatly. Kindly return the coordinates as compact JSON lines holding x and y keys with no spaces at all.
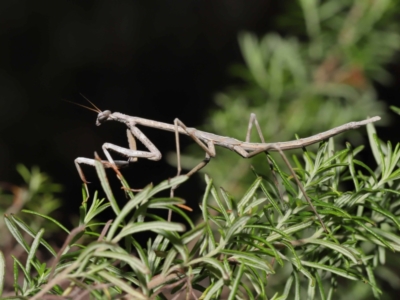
{"x":253,"y":120}
{"x":242,"y":152}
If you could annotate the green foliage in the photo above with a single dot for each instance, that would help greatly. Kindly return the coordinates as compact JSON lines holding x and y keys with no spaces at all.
{"x":37,"y":194}
{"x":267,"y":244}
{"x":304,"y":84}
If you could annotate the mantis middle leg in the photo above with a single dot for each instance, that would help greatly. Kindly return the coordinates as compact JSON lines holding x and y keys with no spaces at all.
{"x":208,"y":148}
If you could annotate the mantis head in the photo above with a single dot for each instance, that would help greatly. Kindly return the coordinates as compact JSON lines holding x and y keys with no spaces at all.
{"x":102,"y":116}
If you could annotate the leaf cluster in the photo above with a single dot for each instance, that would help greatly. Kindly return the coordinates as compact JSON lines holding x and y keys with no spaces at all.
{"x":318,"y":75}
{"x":268,"y":244}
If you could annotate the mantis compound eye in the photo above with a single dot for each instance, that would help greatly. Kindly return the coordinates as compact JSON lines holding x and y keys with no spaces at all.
{"x":102,"y":117}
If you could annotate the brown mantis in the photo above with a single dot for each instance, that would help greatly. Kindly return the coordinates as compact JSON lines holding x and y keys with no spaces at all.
{"x":207,"y":141}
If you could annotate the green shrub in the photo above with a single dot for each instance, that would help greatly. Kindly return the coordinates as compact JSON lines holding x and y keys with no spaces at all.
{"x":267,"y":244}
{"x":319,"y":75}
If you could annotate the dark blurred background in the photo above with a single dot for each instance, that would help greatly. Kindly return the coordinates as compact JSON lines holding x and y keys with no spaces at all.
{"x":153,"y":59}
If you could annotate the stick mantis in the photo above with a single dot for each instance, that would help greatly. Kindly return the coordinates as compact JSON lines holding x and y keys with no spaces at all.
{"x":207,"y":141}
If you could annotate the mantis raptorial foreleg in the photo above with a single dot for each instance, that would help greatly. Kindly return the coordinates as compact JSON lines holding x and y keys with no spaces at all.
{"x":91,"y":162}
{"x":131,"y":153}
